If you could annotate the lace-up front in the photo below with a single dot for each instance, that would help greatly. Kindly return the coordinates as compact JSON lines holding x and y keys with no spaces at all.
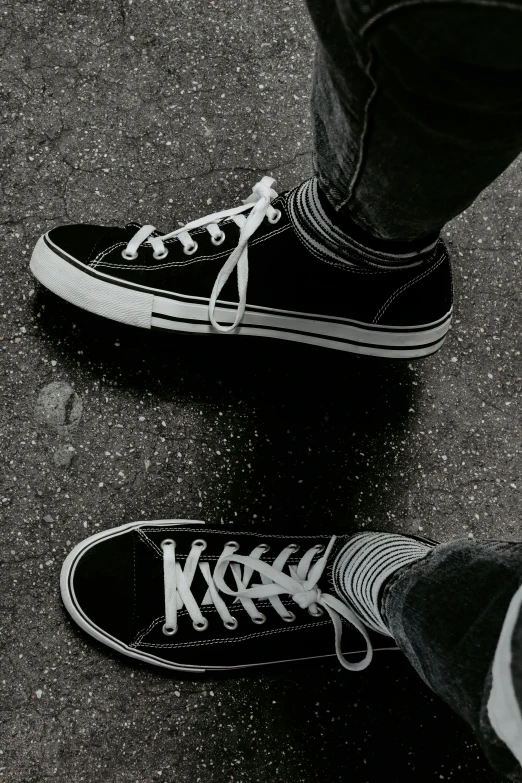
{"x":258,"y":205}
{"x":300,"y":582}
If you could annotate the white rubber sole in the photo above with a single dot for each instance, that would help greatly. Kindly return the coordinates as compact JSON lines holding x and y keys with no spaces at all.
{"x":151,"y":309}
{"x":75,"y":611}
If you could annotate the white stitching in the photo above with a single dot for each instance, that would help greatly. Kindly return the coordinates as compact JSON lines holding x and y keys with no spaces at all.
{"x":405,"y":287}
{"x":231,"y":639}
{"x":207,"y":610}
{"x":133,"y":580}
{"x":181,"y":263}
{"x":407,"y":3}
{"x":171,"y":240}
{"x":146,"y":540}
{"x":141,"y":634}
{"x":178,"y":263}
{"x":229,"y":534}
{"x":103,"y":253}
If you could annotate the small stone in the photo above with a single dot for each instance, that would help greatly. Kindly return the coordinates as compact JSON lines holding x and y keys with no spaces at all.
{"x":63,"y":456}
{"x":59,"y":407}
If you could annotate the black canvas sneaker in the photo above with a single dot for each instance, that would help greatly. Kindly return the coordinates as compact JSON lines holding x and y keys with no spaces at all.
{"x":298,"y":277}
{"x":185,"y":597}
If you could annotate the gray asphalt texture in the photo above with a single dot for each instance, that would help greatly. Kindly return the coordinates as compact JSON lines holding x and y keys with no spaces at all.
{"x":161,"y":112}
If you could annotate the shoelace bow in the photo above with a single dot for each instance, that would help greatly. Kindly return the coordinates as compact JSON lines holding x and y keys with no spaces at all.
{"x":300,"y":583}
{"x":259,"y":206}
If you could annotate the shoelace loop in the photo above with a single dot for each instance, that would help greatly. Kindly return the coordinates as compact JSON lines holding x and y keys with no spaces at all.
{"x":308,"y":598}
{"x":300,"y":583}
{"x":258,"y":205}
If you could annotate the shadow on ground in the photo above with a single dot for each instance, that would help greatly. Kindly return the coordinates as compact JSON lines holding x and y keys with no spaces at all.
{"x":328,"y":433}
{"x":349,"y":418}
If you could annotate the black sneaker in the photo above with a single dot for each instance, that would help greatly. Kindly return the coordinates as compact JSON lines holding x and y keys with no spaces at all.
{"x":176,"y":594}
{"x":307,"y":281}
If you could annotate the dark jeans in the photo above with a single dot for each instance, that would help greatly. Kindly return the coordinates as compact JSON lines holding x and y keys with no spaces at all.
{"x":447,"y":613}
{"x":417,"y":106}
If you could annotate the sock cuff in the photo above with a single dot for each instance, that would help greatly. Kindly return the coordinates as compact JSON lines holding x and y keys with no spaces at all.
{"x":323,"y":235}
{"x":365,"y":565}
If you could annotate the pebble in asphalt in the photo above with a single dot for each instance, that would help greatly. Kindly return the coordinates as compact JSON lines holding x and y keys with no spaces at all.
{"x":161,"y":112}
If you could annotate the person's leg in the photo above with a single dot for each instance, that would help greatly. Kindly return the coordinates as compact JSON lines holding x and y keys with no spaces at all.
{"x":446,"y":607}
{"x":446,"y":613}
{"x":417,"y":107}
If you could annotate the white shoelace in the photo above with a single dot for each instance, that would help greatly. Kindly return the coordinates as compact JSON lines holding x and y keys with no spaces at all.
{"x":300,"y":583}
{"x":259,"y":206}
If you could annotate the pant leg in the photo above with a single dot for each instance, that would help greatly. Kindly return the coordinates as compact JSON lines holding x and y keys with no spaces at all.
{"x":417,"y":106}
{"x":447,"y":613}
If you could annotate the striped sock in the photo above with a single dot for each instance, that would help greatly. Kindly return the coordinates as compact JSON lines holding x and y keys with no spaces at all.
{"x":364,"y":565}
{"x":323,"y":235}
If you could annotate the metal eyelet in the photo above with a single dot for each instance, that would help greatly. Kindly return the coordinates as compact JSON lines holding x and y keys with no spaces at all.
{"x":231,"y":625}
{"x":200,"y":543}
{"x":260,"y":619}
{"x":293,"y":547}
{"x":167,"y":542}
{"x":167,"y":630}
{"x":234,"y":544}
{"x":264,"y":547}
{"x":218,"y":240}
{"x":318,"y":547}
{"x":200,"y":626}
{"x":190,"y":250}
{"x":129,"y":256}
{"x":160,"y":256}
{"x":289,"y":618}
{"x":318,"y":613}
{"x":275,"y":218}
